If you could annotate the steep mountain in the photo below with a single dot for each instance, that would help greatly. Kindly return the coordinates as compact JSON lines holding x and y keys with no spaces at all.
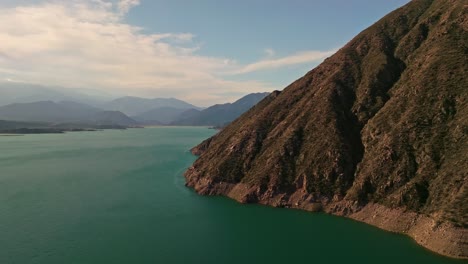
{"x":377,"y":133}
{"x":63,"y":112}
{"x":134,"y":106}
{"x":221,"y":114}
{"x":161,"y":115}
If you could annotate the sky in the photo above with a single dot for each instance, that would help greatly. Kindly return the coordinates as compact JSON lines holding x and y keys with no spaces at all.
{"x":201,"y":51}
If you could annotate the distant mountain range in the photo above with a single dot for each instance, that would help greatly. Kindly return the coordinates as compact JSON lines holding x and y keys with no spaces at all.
{"x":11,"y":92}
{"x":220,"y":114}
{"x":134,"y":106}
{"x":63,"y":112}
{"x":126,"y":111}
{"x":162,"y":115}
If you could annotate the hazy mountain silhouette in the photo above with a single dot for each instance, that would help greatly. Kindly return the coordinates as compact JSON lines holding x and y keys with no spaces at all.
{"x":134,"y":106}
{"x":61,"y":112}
{"x":27,"y":93}
{"x":162,"y":115}
{"x":220,"y":114}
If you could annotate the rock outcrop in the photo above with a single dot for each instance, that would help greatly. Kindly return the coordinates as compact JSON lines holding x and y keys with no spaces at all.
{"x":377,"y":133}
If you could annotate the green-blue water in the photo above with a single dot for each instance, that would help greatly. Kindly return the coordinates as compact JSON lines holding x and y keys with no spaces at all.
{"x":119,"y":197}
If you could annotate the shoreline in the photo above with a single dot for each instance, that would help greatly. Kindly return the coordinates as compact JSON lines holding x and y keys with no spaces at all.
{"x":440,"y":238}
{"x":47,"y":131}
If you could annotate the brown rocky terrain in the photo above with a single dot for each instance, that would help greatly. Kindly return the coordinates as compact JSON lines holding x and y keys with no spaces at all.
{"x":377,"y":133}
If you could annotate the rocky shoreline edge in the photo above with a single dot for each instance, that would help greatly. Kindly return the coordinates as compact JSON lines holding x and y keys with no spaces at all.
{"x":440,"y":237}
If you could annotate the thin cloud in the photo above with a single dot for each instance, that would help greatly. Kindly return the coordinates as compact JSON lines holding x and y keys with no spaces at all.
{"x":269,"y":52}
{"x":87,"y":43}
{"x":125,"y":5}
{"x":298,"y":58}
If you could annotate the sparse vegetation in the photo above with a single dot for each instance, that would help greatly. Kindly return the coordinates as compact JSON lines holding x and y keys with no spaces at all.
{"x":384,"y":120}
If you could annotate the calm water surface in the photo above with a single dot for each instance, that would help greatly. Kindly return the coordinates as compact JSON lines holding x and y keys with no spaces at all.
{"x":119,"y":197}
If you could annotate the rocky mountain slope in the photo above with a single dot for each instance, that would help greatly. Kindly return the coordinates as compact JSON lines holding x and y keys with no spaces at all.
{"x":377,"y":133}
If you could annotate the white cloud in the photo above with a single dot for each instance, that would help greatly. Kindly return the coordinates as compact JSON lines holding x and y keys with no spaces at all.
{"x":269,"y":52}
{"x":86,"y":43}
{"x":298,"y":58}
{"x":125,"y":5}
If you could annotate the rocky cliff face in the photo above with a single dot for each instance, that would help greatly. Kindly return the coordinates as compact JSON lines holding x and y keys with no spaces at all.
{"x":377,"y":132}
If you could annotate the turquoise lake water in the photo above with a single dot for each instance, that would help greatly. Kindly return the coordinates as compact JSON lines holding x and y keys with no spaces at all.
{"x":119,"y":197}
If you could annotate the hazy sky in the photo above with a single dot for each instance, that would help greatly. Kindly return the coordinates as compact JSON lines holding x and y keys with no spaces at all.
{"x":202,"y":51}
